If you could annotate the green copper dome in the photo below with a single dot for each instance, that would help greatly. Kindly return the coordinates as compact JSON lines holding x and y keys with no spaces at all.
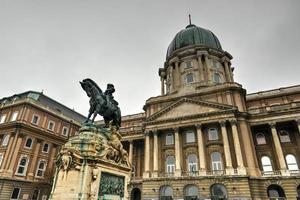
{"x":193,"y":35}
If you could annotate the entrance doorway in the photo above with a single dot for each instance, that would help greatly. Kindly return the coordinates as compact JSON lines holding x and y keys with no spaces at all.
{"x":136,"y":194}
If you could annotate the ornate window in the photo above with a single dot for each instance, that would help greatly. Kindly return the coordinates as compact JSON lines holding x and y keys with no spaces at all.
{"x":192,"y":163}
{"x":189,"y":78}
{"x":41,"y":168}
{"x":14,"y":116}
{"x":22,"y":167}
{"x":169,"y":139}
{"x":260,"y":138}
{"x":275,"y":191}
{"x":218,"y":191}
{"x":35,"y":119}
{"x":216,"y":161}
{"x":170,"y":164}
{"x":291,"y":162}
{"x":213,"y":134}
{"x":191,"y":192}
{"x":15,"y":194}
{"x":65,"y":131}
{"x":166,"y":193}
{"x":190,"y":137}
{"x":284,"y":136}
{"x":216,"y":78}
{"x":266,"y":164}
{"x":51,"y":125}
{"x":28,"y":143}
{"x":5,"y":140}
{"x":2,"y":119}
{"x":45,"y":148}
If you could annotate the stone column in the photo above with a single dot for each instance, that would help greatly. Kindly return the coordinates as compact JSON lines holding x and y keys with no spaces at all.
{"x":178,"y":75}
{"x":130,"y":156}
{"x":202,"y":159}
{"x":278,"y":149}
{"x":155,"y":154}
{"x":51,"y":159}
{"x":7,"y":156}
{"x":15,"y":153}
{"x":228,"y":161}
{"x":237,"y":148}
{"x":177,"y":153}
{"x":171,"y":77}
{"x":147,"y":156}
{"x":298,"y":124}
{"x":201,"y":70}
{"x":206,"y":68}
{"x":34,"y":162}
{"x":228,"y":70}
{"x":162,"y":80}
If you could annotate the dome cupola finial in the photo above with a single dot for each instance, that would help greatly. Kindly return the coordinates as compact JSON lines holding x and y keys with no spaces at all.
{"x":190,"y":22}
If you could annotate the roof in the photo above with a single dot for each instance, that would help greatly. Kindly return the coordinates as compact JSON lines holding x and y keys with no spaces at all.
{"x":193,"y":35}
{"x":47,"y":101}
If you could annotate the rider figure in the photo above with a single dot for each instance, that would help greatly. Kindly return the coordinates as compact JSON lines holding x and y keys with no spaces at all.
{"x":108,"y":93}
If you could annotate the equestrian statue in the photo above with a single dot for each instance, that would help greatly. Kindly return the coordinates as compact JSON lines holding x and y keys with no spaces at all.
{"x":102,"y":103}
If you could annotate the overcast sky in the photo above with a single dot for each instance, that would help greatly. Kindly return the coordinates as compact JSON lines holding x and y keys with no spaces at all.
{"x":52,"y":45}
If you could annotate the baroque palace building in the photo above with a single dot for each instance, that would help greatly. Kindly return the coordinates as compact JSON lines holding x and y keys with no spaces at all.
{"x":204,"y":137}
{"x":32,"y":129}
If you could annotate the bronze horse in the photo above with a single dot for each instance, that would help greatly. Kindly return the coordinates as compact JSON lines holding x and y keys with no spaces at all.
{"x":100,"y":104}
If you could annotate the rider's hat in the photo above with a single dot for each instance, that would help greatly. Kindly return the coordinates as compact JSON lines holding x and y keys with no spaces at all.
{"x":110,"y":87}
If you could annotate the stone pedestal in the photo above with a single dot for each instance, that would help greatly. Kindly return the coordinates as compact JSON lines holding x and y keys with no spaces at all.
{"x":92,"y":165}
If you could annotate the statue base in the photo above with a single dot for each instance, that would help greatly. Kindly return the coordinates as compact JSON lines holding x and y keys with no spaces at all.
{"x":92,"y":165}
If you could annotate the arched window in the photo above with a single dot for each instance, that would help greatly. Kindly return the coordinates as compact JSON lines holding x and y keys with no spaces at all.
{"x":216,"y":78}
{"x":190,"y":137}
{"x":28,"y":143}
{"x":41,"y":168}
{"x":170,"y":164}
{"x":266,"y":164}
{"x":189,"y":78}
{"x":191,"y":192}
{"x":260,"y":138}
{"x":275,"y":191}
{"x":284,"y":136}
{"x":22,"y":167}
{"x":291,"y":162}
{"x":213,"y":134}
{"x":169,"y":139}
{"x":218,"y":191}
{"x":166,"y":193}
{"x":192,"y":163}
{"x":216,"y":161}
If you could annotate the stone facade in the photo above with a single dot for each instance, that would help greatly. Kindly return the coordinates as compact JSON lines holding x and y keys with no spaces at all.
{"x":32,"y":129}
{"x":204,"y":137}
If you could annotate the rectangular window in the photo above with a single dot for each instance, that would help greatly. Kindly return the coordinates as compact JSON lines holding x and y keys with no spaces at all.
{"x":15,"y":194}
{"x":65,"y":131}
{"x":46,"y":148}
{"x":35,"y":195}
{"x":1,"y":158}
{"x":171,"y":168}
{"x":169,"y":139}
{"x":14,"y":116}
{"x":51,"y":126}
{"x":35,"y":119}
{"x":2,"y":119}
{"x":188,"y":64}
{"x":190,"y":137}
{"x":5,"y":140}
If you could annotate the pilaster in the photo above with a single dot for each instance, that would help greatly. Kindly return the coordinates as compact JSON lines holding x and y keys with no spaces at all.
{"x":201,"y":154}
{"x":177,"y":153}
{"x":228,"y":161}
{"x":146,"y":173}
